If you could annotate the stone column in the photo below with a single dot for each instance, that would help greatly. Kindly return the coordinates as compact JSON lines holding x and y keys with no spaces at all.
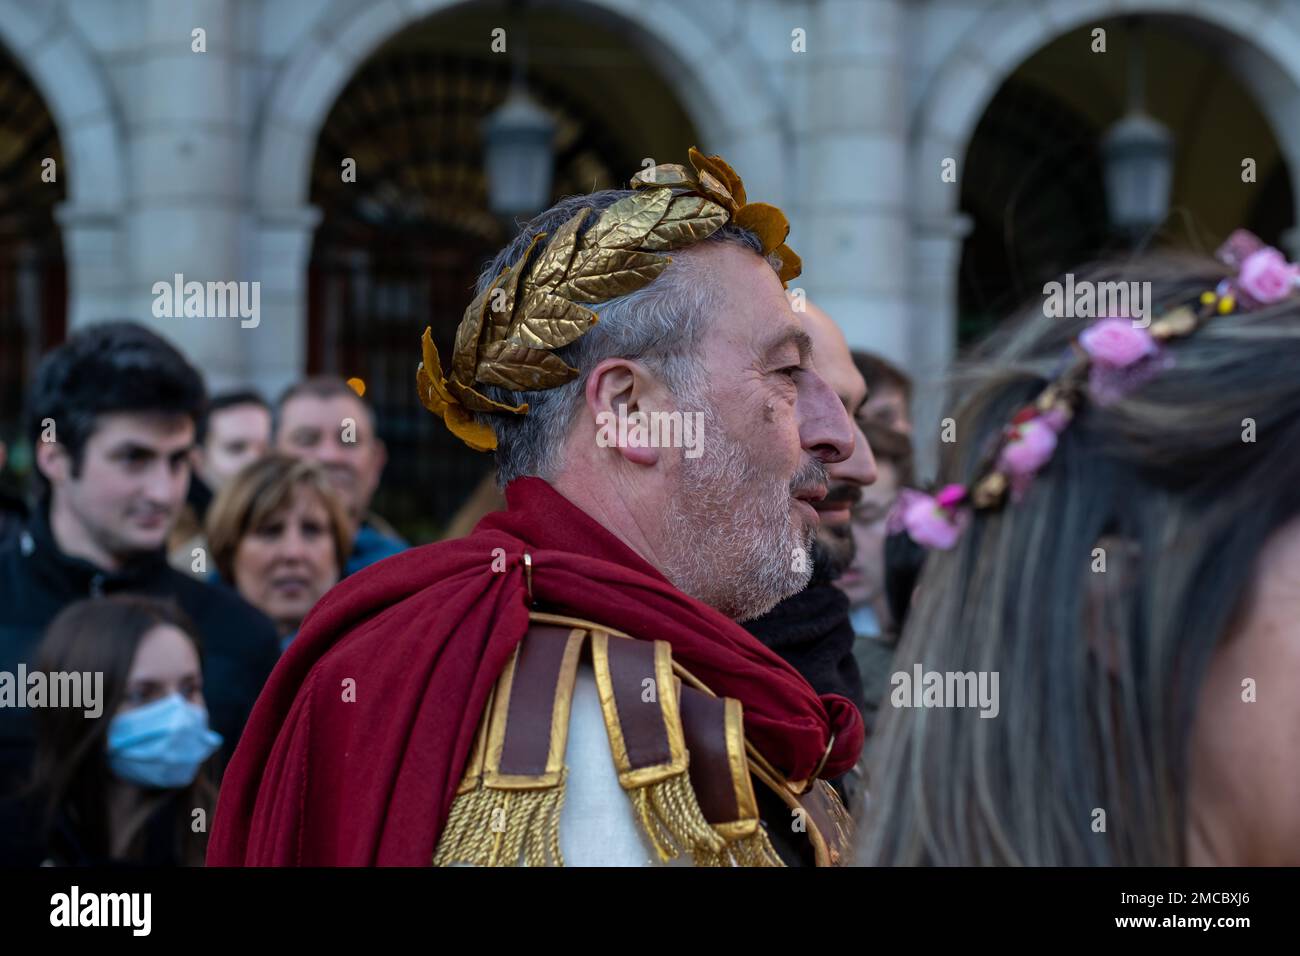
{"x":283,"y":249}
{"x":853,"y":227}
{"x":936,"y":256}
{"x":94,"y":252}
{"x":188,"y":183}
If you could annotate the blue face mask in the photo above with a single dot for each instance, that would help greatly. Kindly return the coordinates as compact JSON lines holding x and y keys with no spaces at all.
{"x":161,"y":744}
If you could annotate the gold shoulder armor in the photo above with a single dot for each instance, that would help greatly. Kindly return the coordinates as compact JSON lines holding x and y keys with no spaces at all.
{"x":679,"y":750}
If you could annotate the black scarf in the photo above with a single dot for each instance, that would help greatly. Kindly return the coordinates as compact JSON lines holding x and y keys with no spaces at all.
{"x":811,"y":631}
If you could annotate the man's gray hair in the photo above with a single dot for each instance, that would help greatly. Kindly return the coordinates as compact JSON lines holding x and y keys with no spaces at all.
{"x":662,"y":324}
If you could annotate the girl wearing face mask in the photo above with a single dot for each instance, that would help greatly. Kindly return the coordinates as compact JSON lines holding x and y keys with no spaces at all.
{"x":123,"y":787}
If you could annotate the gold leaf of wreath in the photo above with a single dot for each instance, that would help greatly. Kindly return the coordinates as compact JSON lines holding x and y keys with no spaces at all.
{"x":715,"y":179}
{"x":509,"y":332}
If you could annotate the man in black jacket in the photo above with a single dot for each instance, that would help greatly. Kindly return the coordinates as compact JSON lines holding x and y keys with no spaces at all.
{"x":112,"y":424}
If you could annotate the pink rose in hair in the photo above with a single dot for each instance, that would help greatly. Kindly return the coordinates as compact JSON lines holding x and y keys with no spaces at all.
{"x":1028,"y":449}
{"x":1116,"y":343}
{"x":1266,"y":276}
{"x":933,"y":524}
{"x":950,"y":496}
{"x":1056,"y":418}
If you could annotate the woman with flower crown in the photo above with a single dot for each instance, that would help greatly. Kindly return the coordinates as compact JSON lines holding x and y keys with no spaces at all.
{"x":1119,"y":541}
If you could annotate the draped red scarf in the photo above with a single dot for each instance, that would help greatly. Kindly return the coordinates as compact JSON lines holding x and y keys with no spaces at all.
{"x":355,"y":748}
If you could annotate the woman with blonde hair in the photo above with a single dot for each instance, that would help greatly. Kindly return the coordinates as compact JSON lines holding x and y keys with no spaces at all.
{"x":279,"y":536}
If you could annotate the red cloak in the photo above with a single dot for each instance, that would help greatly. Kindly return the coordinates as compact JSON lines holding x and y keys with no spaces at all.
{"x":355,"y":748}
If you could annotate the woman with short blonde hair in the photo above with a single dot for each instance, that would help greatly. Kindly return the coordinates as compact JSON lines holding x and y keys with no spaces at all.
{"x":279,"y":535}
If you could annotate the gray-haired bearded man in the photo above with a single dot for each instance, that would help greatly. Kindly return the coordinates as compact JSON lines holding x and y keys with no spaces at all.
{"x":569,"y":682}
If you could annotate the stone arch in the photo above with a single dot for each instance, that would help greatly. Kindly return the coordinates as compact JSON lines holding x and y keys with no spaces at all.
{"x":1266,"y":54}
{"x":76,"y":93}
{"x":716,"y":91}
{"x":714,"y":85}
{"x":1264,"y":51}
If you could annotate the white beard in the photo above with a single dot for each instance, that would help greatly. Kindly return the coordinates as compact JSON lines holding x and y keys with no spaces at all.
{"x":734,"y":542}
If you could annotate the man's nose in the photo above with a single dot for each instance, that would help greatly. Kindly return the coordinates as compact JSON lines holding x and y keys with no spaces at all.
{"x":860,"y":467}
{"x":331,"y":452}
{"x":825,"y":430}
{"x":166,"y":485}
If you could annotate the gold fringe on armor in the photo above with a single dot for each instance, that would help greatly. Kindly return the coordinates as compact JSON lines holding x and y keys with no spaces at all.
{"x":490,"y":827}
{"x":671,"y":817}
{"x":754,"y":849}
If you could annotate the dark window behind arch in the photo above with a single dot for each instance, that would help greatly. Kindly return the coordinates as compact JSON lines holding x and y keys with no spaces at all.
{"x":33,"y":283}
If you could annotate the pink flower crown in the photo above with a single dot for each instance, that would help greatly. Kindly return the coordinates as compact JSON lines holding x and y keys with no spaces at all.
{"x":1112,"y":358}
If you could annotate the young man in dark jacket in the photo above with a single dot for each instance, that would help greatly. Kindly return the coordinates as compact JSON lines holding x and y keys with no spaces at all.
{"x":112,"y":423}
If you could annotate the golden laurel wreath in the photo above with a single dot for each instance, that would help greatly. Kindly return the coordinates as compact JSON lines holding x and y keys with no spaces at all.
{"x":508,"y":334}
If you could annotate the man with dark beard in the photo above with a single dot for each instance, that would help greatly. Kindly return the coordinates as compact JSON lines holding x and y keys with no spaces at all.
{"x":569,"y":683}
{"x":811,"y":629}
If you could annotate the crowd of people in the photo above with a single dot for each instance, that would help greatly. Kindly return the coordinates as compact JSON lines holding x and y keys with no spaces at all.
{"x":175,"y":542}
{"x":164,"y":528}
{"x":1116,"y":541}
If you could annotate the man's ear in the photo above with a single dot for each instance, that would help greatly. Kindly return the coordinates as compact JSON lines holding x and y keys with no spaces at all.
{"x":53,"y":461}
{"x":617,"y":388}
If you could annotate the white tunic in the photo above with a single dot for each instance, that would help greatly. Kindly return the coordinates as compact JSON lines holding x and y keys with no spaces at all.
{"x":597,"y":824}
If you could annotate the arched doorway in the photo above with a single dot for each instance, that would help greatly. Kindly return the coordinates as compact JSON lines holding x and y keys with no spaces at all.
{"x":1033,"y":184}
{"x":33,"y":285}
{"x":1035,"y":195}
{"x":401,"y":247}
{"x":1266,"y":61}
